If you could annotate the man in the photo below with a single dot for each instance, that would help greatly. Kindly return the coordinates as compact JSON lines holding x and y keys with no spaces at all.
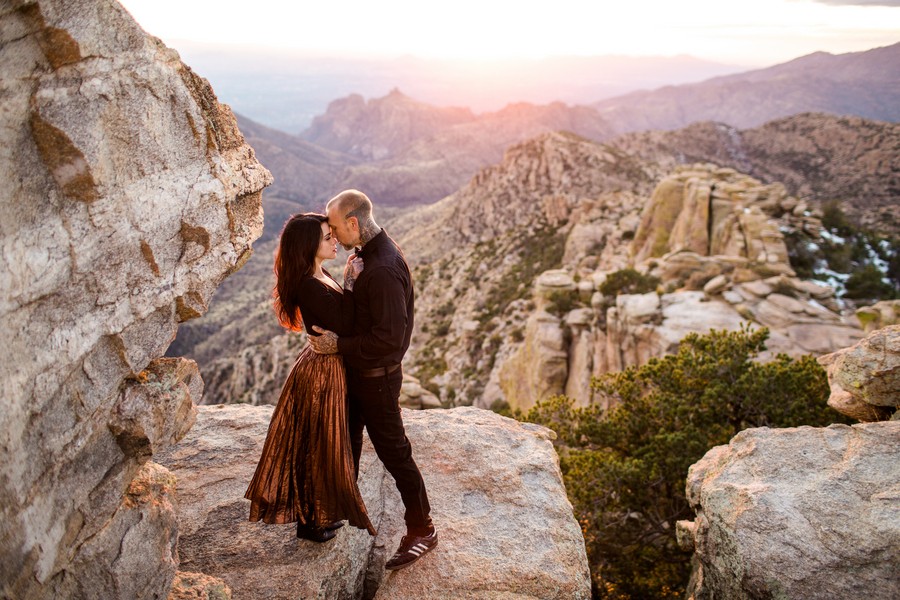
{"x":383,"y":299}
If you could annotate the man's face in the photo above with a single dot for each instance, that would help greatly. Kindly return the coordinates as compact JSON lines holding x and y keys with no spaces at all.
{"x":342,"y":228}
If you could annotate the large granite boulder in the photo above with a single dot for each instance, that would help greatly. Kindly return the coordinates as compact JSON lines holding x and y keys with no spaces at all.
{"x":129,"y":194}
{"x":539,"y":367}
{"x":712,"y":211}
{"x":506,"y":528}
{"x":797,"y":513}
{"x":865,"y":378}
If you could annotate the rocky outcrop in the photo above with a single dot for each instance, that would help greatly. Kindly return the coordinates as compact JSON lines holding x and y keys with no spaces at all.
{"x":865,"y":378}
{"x":130,"y":194}
{"x":818,"y":157}
{"x":506,"y":527}
{"x":711,"y":238}
{"x":797,"y":513}
{"x":719,"y":212}
{"x":413,"y":395}
{"x":881,"y":314}
{"x":511,"y":223}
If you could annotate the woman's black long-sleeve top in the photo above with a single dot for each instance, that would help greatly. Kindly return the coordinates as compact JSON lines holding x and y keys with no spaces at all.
{"x":326,"y":307}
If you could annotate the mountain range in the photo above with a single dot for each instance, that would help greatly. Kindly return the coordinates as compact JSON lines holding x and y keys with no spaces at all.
{"x":286,"y":91}
{"x":407,"y":154}
{"x":865,"y":84}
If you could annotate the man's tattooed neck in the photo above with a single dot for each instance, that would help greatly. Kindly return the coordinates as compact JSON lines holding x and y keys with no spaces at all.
{"x":367,"y":231}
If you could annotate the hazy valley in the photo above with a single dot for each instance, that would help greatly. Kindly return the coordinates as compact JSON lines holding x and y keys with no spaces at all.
{"x":288,"y":91}
{"x":494,"y":174}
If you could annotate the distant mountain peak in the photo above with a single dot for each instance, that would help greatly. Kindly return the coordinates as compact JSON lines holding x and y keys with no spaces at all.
{"x":866,"y":84}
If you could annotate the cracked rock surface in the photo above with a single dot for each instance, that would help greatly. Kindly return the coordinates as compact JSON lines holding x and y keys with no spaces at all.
{"x":129,"y":194}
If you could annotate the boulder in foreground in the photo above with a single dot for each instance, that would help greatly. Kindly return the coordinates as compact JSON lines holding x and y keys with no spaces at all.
{"x":797,"y":513}
{"x":505,"y":525}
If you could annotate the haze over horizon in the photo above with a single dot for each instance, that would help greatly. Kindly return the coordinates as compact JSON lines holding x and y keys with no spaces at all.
{"x":282,"y":63}
{"x":751,"y":35}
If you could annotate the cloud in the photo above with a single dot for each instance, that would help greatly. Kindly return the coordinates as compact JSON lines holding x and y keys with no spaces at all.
{"x":860,"y":2}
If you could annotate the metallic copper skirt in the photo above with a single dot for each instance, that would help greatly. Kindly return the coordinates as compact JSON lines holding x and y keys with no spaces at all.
{"x":306,"y":469}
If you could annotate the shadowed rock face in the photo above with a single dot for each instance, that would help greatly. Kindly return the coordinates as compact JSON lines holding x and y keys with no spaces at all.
{"x":129,"y":195}
{"x":865,"y":378}
{"x":797,"y":513}
{"x":505,"y":526}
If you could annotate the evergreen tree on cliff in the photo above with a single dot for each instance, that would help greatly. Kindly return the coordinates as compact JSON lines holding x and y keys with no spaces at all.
{"x":625,"y":468}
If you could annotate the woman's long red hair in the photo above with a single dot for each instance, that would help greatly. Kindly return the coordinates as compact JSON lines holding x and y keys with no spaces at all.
{"x":294,"y":260}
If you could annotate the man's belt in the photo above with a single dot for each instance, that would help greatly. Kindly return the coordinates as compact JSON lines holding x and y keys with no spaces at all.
{"x":377,"y":371}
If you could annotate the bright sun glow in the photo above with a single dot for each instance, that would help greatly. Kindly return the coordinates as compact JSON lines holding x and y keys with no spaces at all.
{"x":758,"y":32}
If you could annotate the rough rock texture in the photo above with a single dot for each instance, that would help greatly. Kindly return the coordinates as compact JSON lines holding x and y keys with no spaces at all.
{"x":641,"y":327}
{"x":505,"y":526}
{"x":797,"y":513}
{"x":197,"y":586}
{"x":133,"y":554}
{"x":129,"y":195}
{"x":865,"y":378}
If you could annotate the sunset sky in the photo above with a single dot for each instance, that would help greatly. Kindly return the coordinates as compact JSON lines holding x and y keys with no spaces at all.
{"x":756,"y":33}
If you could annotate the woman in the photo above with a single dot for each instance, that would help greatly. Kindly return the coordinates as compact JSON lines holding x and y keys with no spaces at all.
{"x":306,"y":473}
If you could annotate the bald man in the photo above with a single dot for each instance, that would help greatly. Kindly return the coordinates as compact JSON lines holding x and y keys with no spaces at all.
{"x":383,"y":300}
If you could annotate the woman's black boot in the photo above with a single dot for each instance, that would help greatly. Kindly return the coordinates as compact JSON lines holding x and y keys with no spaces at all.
{"x":334,"y":525}
{"x":314,"y":534}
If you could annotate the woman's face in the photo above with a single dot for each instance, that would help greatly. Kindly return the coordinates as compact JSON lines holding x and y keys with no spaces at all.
{"x":327,"y":244}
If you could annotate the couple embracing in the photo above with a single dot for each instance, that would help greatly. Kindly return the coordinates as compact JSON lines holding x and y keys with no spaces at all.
{"x":346,"y":379}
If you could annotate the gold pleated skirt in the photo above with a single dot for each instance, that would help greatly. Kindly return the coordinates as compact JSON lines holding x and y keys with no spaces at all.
{"x":306,"y":469}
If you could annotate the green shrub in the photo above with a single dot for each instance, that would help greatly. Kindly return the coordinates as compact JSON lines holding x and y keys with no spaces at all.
{"x":858,"y":253}
{"x":562,"y":301}
{"x":625,"y":468}
{"x":834,"y":219}
{"x":628,"y":281}
{"x":802,"y":255}
{"x":867,"y":283}
{"x":893,"y":271}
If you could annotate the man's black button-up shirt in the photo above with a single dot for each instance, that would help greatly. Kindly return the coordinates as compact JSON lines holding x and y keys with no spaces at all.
{"x":383,"y":299}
